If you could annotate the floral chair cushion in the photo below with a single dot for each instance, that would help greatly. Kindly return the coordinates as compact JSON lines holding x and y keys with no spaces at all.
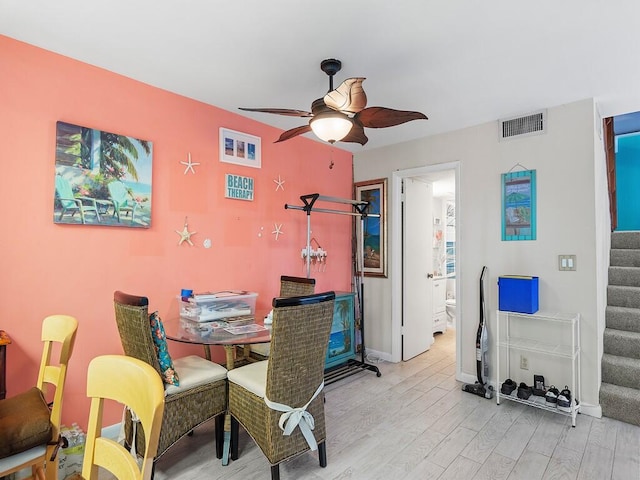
{"x":169,"y":374}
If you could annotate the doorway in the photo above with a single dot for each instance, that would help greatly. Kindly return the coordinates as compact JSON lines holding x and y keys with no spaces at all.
{"x":434,"y":175}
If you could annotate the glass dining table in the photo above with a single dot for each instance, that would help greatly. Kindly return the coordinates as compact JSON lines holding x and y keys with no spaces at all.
{"x":229,"y":335}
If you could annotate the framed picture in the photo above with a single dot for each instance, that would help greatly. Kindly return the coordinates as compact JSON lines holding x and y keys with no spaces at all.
{"x":375,"y":226}
{"x":519,"y":205}
{"x":240,"y":148}
{"x":101,"y":178}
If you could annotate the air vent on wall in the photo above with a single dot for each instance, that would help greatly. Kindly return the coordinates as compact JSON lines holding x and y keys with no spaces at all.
{"x":532,"y":124}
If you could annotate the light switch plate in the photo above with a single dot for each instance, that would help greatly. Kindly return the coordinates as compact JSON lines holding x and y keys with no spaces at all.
{"x":567,"y":263}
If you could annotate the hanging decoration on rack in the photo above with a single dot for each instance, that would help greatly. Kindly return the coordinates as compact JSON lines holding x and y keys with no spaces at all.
{"x":277,"y":230}
{"x":279,"y":183}
{"x":185,"y":234}
{"x":190,"y":165}
{"x":317,"y":257}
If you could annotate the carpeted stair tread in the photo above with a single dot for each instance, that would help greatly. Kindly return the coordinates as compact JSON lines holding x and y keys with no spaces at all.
{"x":622,"y":343}
{"x":621,"y":240}
{"x":620,"y":367}
{"x":621,"y":257}
{"x":621,"y":371}
{"x":629,"y":276}
{"x":620,"y":403}
{"x":623,"y":318}
{"x":623,"y":296}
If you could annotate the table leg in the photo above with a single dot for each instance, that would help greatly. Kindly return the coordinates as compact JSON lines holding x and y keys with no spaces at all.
{"x":226,"y":447}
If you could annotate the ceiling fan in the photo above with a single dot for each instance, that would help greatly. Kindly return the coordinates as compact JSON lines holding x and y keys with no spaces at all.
{"x":341,"y":114}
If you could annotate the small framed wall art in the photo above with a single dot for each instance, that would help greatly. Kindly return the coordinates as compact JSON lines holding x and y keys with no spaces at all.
{"x":240,"y":148}
{"x":519,"y":205}
{"x":375,"y":226}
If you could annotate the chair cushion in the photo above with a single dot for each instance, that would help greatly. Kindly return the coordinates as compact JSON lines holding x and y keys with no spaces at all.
{"x":169,"y":375}
{"x":252,"y":376}
{"x":194,"y":371}
{"x":25,"y":422}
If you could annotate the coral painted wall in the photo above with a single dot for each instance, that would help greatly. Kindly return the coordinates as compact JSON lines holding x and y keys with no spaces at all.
{"x":50,"y":268}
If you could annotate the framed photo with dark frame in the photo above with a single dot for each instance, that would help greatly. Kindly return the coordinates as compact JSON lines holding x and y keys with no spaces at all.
{"x":240,"y":148}
{"x":375,"y":226}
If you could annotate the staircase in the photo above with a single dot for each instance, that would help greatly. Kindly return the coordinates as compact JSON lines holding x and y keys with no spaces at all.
{"x":620,"y":389}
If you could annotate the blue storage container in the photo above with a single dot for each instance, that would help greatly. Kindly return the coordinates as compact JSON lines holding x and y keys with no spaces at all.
{"x":518,"y":294}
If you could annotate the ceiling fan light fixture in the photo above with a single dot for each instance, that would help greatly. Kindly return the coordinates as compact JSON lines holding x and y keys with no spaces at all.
{"x":331,"y":127}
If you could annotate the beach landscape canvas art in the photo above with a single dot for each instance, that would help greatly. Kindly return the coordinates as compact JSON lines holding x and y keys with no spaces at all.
{"x":101,"y":178}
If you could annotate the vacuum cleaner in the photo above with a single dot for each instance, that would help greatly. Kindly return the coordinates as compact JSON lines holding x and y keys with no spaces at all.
{"x":480,"y":387}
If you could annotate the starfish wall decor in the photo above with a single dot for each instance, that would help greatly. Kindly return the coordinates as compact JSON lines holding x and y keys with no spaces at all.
{"x":185,"y":234}
{"x":190,"y":165}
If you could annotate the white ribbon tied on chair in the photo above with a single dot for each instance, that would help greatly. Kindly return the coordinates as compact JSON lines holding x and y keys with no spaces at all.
{"x":294,"y":417}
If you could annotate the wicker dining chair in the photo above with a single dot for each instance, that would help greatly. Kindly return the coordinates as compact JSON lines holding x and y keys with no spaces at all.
{"x":296,"y":286}
{"x":292,"y":378}
{"x":201,"y":395}
{"x":289,"y":287}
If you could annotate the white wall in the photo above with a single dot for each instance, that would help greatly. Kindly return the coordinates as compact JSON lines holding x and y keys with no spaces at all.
{"x":570,"y":220}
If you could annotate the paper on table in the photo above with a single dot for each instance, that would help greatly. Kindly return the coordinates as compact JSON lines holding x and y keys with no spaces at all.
{"x":251,"y":328}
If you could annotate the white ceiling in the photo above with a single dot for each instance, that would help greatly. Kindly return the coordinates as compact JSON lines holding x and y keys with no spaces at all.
{"x":460,"y":62}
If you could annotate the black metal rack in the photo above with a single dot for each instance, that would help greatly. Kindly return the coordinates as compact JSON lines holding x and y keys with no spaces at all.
{"x":358,"y":209}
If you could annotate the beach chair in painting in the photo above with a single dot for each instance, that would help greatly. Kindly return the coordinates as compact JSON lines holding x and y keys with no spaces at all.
{"x":72,"y":204}
{"x":122,"y":200}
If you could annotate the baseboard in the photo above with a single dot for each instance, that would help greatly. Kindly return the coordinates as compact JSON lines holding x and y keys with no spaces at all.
{"x":591,"y":410}
{"x":374,"y":356}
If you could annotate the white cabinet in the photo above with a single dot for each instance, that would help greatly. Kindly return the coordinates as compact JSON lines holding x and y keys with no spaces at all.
{"x":439,"y":305}
{"x":541,"y":337}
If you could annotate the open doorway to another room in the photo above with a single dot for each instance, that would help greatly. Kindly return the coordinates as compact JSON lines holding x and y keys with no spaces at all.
{"x":433,"y":220}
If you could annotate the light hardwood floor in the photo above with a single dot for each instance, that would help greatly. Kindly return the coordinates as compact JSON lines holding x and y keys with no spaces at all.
{"x":415,"y":422}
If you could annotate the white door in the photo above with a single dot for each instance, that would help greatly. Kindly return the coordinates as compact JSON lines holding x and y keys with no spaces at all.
{"x":417,"y":261}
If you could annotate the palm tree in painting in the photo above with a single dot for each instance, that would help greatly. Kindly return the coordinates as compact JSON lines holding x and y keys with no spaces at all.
{"x":119,"y":155}
{"x":102,"y":156}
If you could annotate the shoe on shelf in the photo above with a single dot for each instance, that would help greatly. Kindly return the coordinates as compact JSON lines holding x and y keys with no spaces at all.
{"x":564,"y":400}
{"x":524,"y":391}
{"x":538,"y":386}
{"x":508,"y":387}
{"x":551,"y":396}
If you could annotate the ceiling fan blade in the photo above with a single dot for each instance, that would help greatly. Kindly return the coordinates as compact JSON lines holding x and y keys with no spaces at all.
{"x":280,"y":111}
{"x":381,"y":117}
{"x":294,"y":132}
{"x":356,"y":135}
{"x":349,"y":97}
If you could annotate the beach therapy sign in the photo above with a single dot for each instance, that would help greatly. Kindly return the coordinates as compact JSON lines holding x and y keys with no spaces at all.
{"x":238,"y":187}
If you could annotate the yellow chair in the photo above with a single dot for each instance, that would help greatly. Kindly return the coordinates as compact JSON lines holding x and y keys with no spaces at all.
{"x":58,"y":330}
{"x":137,"y":385}
{"x":280,"y":401}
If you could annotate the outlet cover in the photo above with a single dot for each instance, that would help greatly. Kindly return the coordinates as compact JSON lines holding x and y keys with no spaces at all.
{"x":524,"y":362}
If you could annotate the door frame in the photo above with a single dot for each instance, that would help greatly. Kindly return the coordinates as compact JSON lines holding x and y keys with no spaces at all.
{"x":396,"y":256}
